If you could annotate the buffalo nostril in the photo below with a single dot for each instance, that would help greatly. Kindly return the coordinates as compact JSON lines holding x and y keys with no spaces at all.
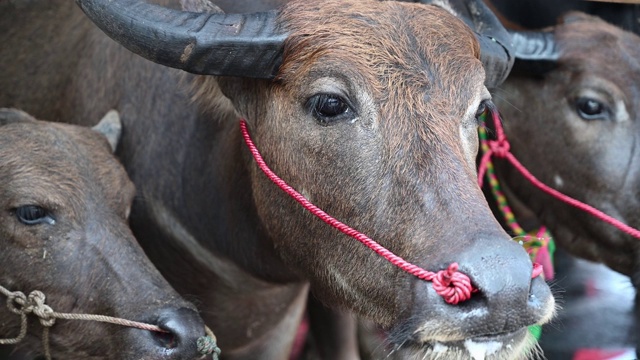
{"x":165,"y":340}
{"x":183,"y":328}
{"x":539,"y":293}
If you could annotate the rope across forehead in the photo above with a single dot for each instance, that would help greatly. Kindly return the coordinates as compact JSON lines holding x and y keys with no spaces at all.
{"x":451,"y":284}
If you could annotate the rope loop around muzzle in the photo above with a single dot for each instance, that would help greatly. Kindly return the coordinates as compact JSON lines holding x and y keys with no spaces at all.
{"x":23,"y":305}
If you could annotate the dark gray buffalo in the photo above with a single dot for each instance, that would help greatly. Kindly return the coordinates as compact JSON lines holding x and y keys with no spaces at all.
{"x":572,"y":116}
{"x":64,"y":203}
{"x":367,"y":108}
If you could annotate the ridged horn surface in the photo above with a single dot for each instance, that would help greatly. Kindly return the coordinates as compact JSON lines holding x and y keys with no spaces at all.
{"x":534,"y":45}
{"x":247,"y":45}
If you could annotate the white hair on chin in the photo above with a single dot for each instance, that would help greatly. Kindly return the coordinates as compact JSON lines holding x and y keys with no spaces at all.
{"x":528,"y":349}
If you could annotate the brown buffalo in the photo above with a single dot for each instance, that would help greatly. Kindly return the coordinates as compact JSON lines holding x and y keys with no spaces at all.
{"x":572,"y":117}
{"x":64,"y":203}
{"x":368,"y":108}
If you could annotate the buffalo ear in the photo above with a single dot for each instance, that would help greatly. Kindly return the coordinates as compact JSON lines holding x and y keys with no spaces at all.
{"x":10,"y":115}
{"x":200,"y":6}
{"x":111,"y":127}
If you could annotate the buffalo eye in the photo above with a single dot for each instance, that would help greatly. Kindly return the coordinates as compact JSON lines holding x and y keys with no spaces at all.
{"x":329,"y":108}
{"x":33,"y":215}
{"x":591,"y":109}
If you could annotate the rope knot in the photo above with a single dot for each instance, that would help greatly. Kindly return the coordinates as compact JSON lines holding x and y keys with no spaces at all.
{"x":499,"y":147}
{"x":43,"y":311}
{"x":453,"y":285}
{"x":207,"y":345}
{"x":16,"y":302}
{"x":20,"y":304}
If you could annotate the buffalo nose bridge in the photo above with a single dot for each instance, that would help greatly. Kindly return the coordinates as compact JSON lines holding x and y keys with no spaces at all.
{"x":184,"y":328}
{"x":498,"y":267}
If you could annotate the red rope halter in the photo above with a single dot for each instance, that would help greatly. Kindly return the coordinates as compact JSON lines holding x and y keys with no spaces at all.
{"x":451,"y":284}
{"x":500,"y":148}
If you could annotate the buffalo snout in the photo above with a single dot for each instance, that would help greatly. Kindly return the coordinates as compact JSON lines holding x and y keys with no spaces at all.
{"x":183,"y":328}
{"x":502,"y":272}
{"x":494,"y":321}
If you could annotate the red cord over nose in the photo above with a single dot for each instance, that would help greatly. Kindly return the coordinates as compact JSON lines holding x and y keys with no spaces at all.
{"x":451,"y":284}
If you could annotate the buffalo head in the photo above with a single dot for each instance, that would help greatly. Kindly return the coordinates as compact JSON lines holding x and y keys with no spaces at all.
{"x":64,"y":204}
{"x":571,"y":115}
{"x":369,"y":109}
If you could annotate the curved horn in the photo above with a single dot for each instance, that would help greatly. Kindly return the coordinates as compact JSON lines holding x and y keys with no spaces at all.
{"x":248,"y":45}
{"x":534,"y":45}
{"x":535,"y":51}
{"x":495,"y":43}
